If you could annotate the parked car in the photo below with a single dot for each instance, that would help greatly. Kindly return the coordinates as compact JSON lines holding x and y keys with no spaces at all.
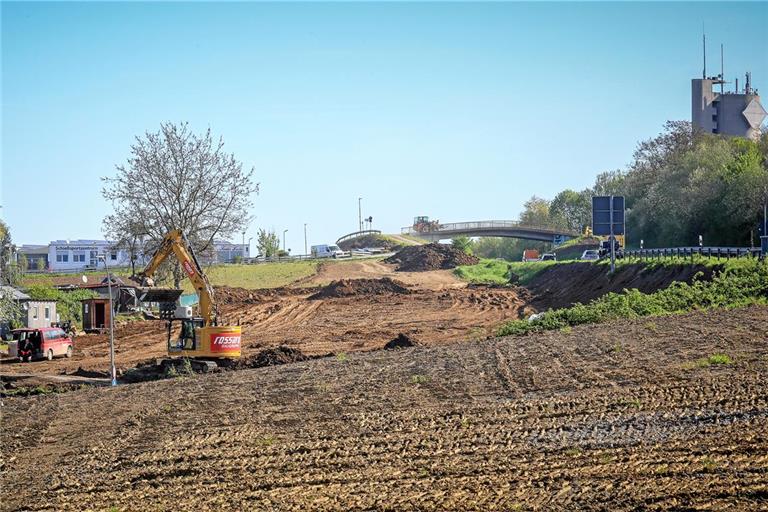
{"x":46,"y":342}
{"x":327,"y":251}
{"x":590,"y":255}
{"x":550,"y":256}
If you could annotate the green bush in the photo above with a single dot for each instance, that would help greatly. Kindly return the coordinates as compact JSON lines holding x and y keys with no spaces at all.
{"x":742,"y":283}
{"x":68,"y":304}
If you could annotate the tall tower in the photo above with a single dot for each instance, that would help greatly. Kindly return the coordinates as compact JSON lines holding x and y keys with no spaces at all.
{"x":735,"y":113}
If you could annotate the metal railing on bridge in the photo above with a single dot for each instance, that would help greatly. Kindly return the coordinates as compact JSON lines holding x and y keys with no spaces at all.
{"x":358,"y":234}
{"x":487,"y":225}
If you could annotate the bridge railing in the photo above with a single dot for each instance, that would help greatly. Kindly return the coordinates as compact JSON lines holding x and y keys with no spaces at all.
{"x":357,"y":234}
{"x":484,"y":225}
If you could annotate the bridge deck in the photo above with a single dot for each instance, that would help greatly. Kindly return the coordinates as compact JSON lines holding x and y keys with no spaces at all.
{"x":501,"y":228}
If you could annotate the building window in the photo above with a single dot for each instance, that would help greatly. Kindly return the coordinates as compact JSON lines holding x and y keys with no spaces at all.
{"x":62,"y":258}
{"x":79,"y":257}
{"x":86,"y":308}
{"x":47,"y":313}
{"x":34,"y":313}
{"x":113,"y":256}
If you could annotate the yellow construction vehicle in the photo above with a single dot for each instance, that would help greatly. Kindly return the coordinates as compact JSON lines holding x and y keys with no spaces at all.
{"x":200,"y":338}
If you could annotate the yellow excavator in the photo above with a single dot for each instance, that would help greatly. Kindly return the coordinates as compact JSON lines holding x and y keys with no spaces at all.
{"x":201,"y":338}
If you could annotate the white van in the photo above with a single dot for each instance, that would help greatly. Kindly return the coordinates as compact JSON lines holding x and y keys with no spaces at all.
{"x":327,"y":251}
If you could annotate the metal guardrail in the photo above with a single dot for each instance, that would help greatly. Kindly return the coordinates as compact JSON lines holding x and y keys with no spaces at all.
{"x":486,"y":224}
{"x":357,"y":234}
{"x":690,"y":252}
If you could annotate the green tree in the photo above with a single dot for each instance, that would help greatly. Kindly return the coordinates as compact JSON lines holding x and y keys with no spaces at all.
{"x":463,"y":243}
{"x":571,"y":210}
{"x":23,"y":262}
{"x":535,"y":212}
{"x":268,"y":243}
{"x":40,"y":264}
{"x":9,"y":307}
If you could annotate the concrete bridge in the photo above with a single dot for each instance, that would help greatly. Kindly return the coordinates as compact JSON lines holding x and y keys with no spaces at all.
{"x":502,"y":228}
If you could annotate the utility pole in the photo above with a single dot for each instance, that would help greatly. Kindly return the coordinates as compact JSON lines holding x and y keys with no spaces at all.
{"x":360,"y":212}
{"x":305,"y":239}
{"x":284,"y":232}
{"x":113,"y":371}
{"x":613,"y":243}
{"x":242,"y":249}
{"x":764,"y":237}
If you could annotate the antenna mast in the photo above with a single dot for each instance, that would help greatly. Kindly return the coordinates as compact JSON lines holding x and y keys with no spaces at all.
{"x":704,"y":38}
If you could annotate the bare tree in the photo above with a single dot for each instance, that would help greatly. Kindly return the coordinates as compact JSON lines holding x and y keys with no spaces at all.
{"x":176,"y":179}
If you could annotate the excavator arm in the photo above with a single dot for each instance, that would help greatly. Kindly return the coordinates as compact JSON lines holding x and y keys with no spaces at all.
{"x":177,"y":244}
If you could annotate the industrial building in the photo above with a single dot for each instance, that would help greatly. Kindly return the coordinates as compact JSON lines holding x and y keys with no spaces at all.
{"x":737,"y":113}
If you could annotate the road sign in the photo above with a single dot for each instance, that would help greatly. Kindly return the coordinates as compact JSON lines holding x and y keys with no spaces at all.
{"x":608,"y":219}
{"x":601,"y":215}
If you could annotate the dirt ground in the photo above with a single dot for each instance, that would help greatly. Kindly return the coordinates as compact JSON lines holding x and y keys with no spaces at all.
{"x":439,"y":309}
{"x":618,"y":416}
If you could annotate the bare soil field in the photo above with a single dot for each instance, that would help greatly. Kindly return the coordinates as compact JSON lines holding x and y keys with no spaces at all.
{"x":437,"y":309}
{"x":617,"y":416}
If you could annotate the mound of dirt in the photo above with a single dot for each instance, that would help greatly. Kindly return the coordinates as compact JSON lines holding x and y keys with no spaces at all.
{"x":230,"y":295}
{"x":420,"y":258}
{"x":271,"y":357}
{"x":402,"y":341}
{"x":562,"y":285}
{"x":352,"y":287}
{"x":363,"y":242}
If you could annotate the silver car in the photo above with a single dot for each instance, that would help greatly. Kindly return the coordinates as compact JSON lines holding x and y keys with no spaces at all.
{"x":591,"y":255}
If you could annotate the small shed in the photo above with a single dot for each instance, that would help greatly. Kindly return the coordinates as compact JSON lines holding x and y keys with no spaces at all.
{"x":39,"y":313}
{"x":96,"y":314}
{"x":34,"y":313}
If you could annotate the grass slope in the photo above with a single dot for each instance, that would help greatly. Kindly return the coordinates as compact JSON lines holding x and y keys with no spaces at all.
{"x":740,"y":283}
{"x":262,"y":275}
{"x":490,"y":271}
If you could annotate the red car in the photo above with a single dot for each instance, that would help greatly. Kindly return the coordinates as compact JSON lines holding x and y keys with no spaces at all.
{"x":46,"y":342}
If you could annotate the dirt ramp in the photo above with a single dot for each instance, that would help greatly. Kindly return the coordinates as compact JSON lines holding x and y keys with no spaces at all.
{"x":354,"y":287}
{"x":421,"y":258}
{"x":564,"y":284}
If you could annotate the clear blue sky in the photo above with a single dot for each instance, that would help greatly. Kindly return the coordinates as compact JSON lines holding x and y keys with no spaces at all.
{"x":460,"y":111}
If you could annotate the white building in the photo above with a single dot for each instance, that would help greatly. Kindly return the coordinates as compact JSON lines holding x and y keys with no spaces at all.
{"x":82,"y":254}
{"x":226,"y":252}
{"x":75,"y":255}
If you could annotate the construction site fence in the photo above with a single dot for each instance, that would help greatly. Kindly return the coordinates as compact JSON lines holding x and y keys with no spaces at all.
{"x":690,"y":252}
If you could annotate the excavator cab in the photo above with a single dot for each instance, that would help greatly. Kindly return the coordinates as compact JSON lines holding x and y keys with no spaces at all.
{"x":187,"y":339}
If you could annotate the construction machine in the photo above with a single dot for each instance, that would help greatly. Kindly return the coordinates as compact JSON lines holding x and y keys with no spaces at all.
{"x":422,"y":224}
{"x":201,"y":338}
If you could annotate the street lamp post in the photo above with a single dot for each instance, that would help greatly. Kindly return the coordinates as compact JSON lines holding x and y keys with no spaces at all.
{"x":113,"y":371}
{"x":284,"y":232}
{"x":360,"y":212}
{"x":305,"y":239}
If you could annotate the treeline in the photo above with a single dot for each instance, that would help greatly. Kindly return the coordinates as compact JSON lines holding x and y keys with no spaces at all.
{"x":681,"y":184}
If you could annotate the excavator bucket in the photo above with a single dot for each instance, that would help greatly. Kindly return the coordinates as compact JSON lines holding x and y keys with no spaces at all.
{"x":158,"y":294}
